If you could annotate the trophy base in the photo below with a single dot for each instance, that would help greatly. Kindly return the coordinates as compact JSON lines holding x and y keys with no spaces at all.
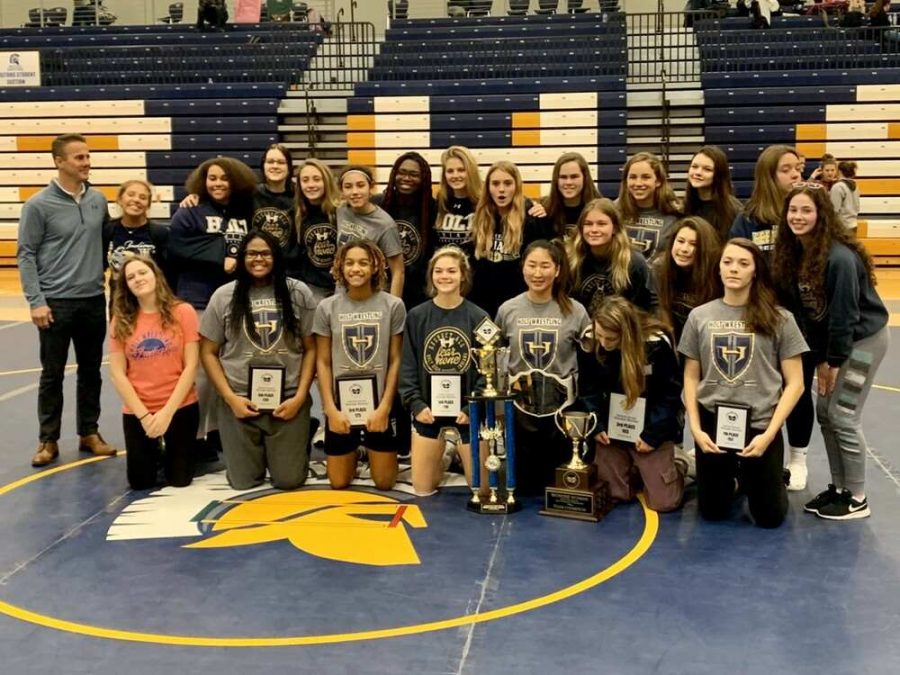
{"x":577,"y":495}
{"x":500,"y":507}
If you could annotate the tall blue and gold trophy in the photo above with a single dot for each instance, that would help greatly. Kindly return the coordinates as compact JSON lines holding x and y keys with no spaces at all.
{"x":500,"y":460}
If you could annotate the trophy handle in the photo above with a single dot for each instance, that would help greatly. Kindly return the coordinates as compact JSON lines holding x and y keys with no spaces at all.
{"x":593,"y":425}
{"x":556,"y":418}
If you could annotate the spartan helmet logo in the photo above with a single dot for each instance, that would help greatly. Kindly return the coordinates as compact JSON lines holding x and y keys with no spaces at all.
{"x":360,"y":342}
{"x":352,"y":527}
{"x":266,"y":330}
{"x":732,"y":354}
{"x":538,"y":347}
{"x":322,"y":235}
{"x":447,"y":342}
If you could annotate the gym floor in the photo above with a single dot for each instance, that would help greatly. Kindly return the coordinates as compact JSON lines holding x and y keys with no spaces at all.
{"x":95,"y":578}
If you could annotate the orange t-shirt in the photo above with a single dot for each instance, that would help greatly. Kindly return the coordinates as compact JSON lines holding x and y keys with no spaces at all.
{"x":155,"y":356}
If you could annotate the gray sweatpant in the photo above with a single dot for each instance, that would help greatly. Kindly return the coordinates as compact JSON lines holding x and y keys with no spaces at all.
{"x":254,"y":444}
{"x":840,"y":413}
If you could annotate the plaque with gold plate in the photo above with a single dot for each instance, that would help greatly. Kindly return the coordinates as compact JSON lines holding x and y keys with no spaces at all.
{"x":499,"y":436}
{"x":577,"y":493}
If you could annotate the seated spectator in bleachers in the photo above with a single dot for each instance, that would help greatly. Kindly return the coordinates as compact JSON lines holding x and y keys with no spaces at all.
{"x":211,"y":14}
{"x":845,"y":195}
{"x":761,"y":12}
{"x":853,"y":17}
{"x":827,"y":173}
{"x":878,"y":14}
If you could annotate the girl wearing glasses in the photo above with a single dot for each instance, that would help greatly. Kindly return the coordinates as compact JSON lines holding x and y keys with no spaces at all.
{"x":846,"y":324}
{"x":273,"y":201}
{"x":261,"y":324}
{"x":407,"y":199}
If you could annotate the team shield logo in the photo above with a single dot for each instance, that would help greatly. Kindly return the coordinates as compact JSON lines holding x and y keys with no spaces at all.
{"x":360,"y":342}
{"x":266,"y":331}
{"x":538,"y":347}
{"x":732,"y":354}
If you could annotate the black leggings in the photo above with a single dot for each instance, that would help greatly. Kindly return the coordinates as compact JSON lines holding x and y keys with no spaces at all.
{"x":760,"y":478}
{"x":802,"y":418}
{"x":540,"y":448}
{"x":143,"y":455}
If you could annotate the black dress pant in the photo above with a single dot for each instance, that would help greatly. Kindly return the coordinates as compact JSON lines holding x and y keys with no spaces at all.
{"x":81,"y":322}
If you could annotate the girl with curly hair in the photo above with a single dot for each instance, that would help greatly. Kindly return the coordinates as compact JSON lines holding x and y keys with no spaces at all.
{"x":846,"y":323}
{"x":359,"y":334}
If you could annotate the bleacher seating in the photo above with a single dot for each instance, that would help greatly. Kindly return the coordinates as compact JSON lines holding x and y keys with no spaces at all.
{"x":522,"y":88}
{"x":153,"y":101}
{"x":819,"y":89}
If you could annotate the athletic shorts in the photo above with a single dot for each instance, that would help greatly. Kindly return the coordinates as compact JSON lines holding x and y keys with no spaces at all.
{"x":344,"y":444}
{"x":432,"y":431}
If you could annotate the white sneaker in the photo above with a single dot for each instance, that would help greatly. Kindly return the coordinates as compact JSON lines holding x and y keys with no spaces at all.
{"x":319,"y":438}
{"x":798,"y":476}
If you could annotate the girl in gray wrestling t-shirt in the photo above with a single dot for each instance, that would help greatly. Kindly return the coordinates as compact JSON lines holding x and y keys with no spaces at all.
{"x":742,"y":351}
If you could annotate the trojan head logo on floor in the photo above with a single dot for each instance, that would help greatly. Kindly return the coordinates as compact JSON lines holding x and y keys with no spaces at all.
{"x":349,"y":526}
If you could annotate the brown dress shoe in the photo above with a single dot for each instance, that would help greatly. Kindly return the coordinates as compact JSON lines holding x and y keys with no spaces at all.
{"x":47,"y":452}
{"x":95,"y":444}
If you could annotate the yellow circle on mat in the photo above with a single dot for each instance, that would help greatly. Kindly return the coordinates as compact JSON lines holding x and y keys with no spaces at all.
{"x":651,"y":527}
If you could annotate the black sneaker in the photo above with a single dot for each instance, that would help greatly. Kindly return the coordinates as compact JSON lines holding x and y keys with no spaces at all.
{"x":845,"y":507}
{"x":822,"y":499}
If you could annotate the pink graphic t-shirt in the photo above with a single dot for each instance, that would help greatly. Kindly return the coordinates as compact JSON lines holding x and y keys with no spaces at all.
{"x":155,"y":356}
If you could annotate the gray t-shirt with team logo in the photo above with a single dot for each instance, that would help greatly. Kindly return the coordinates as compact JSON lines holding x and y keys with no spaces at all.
{"x":264,"y":343}
{"x":377,"y":226}
{"x":360,"y":332}
{"x":540,"y":336}
{"x":736,"y":365}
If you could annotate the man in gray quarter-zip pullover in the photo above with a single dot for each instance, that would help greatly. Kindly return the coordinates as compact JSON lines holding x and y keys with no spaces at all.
{"x":60,"y":257}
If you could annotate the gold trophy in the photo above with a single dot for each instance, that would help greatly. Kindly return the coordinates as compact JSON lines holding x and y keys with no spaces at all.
{"x":577,"y":493}
{"x":486,"y":357}
{"x":485,"y":425}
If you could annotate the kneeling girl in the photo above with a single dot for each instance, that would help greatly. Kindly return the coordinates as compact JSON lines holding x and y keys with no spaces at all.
{"x":263,"y":319}
{"x":359,"y":334}
{"x":641,"y":370}
{"x":437,"y":344}
{"x":742,"y":350}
